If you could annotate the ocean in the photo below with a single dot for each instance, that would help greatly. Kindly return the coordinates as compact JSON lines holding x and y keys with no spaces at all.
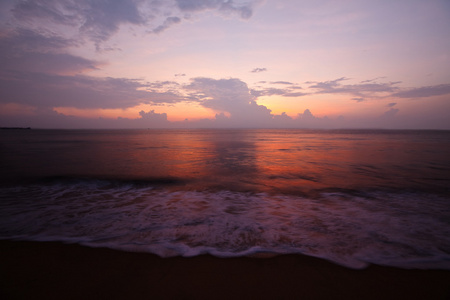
{"x":353,"y":197}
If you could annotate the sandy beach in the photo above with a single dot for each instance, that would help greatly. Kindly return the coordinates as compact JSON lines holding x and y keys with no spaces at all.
{"x":47,"y":270}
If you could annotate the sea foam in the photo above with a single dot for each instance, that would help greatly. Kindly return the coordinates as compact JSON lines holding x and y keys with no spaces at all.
{"x":375,"y":227}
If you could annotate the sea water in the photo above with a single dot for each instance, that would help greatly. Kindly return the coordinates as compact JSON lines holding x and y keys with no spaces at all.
{"x":354,"y":197}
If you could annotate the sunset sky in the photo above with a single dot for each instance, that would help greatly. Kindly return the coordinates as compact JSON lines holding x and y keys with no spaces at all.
{"x":225,"y":63}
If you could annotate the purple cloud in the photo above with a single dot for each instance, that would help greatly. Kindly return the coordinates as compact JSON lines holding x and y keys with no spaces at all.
{"x":390,"y":113}
{"x":281,"y":82}
{"x":269,"y":92}
{"x":258,"y":70}
{"x":289,"y":91}
{"x":49,"y":90}
{"x":167,"y":23}
{"x":358,"y":90}
{"x":294,"y":94}
{"x":26,"y":50}
{"x":151,"y":115}
{"x":372,"y":80}
{"x":425,"y":91}
{"x":97,"y":19}
{"x":245,"y":11}
{"x":229,"y":95}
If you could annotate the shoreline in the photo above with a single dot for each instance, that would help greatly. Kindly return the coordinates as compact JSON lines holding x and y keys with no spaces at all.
{"x":54,"y":270}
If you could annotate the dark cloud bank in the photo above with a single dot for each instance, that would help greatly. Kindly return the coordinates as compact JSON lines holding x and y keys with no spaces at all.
{"x":231,"y":99}
{"x":99,"y":20}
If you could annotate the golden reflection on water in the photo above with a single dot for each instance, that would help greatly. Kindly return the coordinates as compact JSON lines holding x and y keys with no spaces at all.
{"x":287,"y":161}
{"x":263,"y":160}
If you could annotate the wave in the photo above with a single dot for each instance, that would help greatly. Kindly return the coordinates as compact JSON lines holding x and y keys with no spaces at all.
{"x":354,"y":229}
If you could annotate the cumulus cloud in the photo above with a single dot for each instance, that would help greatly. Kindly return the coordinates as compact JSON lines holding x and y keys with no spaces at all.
{"x":423,"y":92}
{"x":236,"y":106}
{"x":230,"y":96}
{"x":48,"y":118}
{"x":35,"y":50}
{"x":307,"y":115}
{"x":224,"y":95}
{"x":151,"y":115}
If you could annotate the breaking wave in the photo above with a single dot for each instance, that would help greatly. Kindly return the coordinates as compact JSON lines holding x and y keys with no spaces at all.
{"x":402,"y":229}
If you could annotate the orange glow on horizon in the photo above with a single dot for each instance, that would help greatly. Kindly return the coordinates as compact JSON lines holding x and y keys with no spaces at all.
{"x":322,"y":106}
{"x":16,"y":109}
{"x":108,"y":113}
{"x":294,"y":106}
{"x":175,"y":112}
{"x":331,"y":106}
{"x":183,"y":110}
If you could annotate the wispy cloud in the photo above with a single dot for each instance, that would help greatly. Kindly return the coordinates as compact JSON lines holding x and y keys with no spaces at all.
{"x":244,"y":10}
{"x":99,"y":20}
{"x":167,"y":23}
{"x":372,"y":80}
{"x":268,"y":92}
{"x":96,"y":19}
{"x":286,"y":92}
{"x":390,"y":113}
{"x":359,"y":90}
{"x":258,"y":70}
{"x":79,"y":91}
{"x":29,"y":51}
{"x":425,"y":91}
{"x":272,"y":88}
{"x":281,"y":82}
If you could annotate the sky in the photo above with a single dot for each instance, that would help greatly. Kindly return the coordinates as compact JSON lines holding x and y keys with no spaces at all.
{"x":225,"y":63}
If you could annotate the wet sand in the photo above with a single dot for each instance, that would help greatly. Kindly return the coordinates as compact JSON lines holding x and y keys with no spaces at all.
{"x":47,"y":270}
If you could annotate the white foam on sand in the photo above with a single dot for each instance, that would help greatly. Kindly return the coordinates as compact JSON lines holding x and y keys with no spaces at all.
{"x":407,"y":230}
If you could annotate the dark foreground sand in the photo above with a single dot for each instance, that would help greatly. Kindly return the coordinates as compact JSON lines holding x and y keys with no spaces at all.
{"x":32,"y":270}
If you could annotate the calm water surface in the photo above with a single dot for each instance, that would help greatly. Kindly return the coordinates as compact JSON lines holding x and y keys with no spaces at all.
{"x":351,"y":196}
